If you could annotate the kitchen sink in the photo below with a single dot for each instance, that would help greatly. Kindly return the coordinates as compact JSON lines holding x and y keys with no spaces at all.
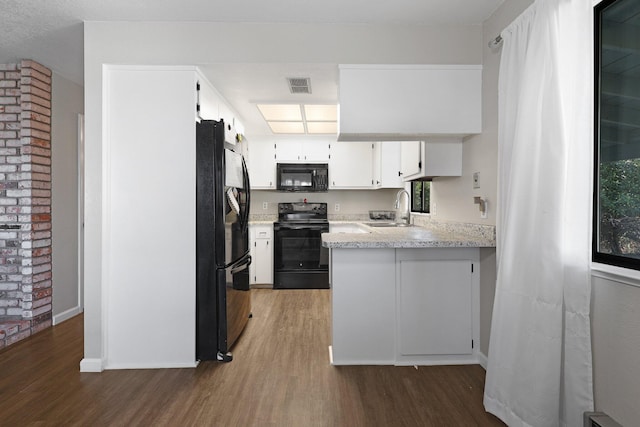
{"x":387,"y":224}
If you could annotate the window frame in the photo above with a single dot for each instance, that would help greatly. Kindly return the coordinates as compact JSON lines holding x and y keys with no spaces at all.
{"x":427,"y":209}
{"x":596,"y":255}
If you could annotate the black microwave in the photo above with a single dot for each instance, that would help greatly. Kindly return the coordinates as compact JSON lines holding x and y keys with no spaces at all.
{"x":305,"y":177}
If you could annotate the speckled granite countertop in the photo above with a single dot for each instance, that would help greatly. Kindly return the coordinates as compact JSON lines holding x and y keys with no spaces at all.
{"x":425,"y":233}
{"x":431,"y":235}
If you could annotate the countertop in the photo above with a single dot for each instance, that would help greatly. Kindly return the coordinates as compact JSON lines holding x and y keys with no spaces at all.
{"x":425,"y":233}
{"x":428,"y":236}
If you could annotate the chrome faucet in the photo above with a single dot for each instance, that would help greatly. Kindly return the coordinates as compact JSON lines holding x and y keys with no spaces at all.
{"x":405,"y":215}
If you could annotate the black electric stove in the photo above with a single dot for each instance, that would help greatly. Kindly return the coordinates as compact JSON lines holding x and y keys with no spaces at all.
{"x":300,"y":261}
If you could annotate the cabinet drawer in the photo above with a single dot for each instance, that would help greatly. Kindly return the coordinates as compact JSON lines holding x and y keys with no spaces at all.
{"x":263,"y":232}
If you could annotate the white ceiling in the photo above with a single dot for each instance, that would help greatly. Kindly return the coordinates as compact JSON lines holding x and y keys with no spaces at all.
{"x":51,"y":32}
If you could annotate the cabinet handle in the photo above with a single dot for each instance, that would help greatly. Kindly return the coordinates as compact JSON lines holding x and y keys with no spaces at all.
{"x":399,"y":173}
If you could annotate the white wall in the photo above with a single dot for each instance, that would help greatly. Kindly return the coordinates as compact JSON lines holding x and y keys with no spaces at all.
{"x":615,"y":321}
{"x":454,"y":196}
{"x":67,"y":103}
{"x":351,"y":201}
{"x":204,"y":43}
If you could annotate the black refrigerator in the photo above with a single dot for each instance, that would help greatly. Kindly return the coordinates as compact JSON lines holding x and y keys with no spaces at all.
{"x":223,"y":301}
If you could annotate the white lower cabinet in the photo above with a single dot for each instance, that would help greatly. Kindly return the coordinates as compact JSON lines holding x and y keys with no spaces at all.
{"x":405,"y":306}
{"x":434,"y":307}
{"x":261,"y":248}
{"x":363,"y":314}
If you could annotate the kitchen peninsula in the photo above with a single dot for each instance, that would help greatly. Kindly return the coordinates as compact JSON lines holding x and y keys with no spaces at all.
{"x":406,"y":295}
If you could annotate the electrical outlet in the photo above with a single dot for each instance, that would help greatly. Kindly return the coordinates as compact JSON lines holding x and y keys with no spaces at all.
{"x":476,"y":180}
{"x":265,"y":205}
{"x":337,"y":207}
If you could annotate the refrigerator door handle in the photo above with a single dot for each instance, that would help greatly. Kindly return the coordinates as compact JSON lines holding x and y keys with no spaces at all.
{"x":241,"y":265}
{"x":245,"y":175}
{"x":245,"y":259}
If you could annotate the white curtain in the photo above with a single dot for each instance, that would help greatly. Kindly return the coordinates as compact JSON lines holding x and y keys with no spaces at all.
{"x":539,"y":369}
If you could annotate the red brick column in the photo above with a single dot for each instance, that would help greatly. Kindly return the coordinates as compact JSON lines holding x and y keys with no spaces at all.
{"x":34,"y":191}
{"x":10,"y":159}
{"x":25,"y":200}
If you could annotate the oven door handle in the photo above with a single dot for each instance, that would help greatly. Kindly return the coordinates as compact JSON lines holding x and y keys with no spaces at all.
{"x":301,"y":227}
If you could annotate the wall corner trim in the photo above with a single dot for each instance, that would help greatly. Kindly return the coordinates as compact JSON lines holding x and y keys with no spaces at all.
{"x":66,"y":315}
{"x":91,"y":365}
{"x":482,"y":359}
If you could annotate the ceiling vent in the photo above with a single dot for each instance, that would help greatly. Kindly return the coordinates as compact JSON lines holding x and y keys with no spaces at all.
{"x":299,"y":84}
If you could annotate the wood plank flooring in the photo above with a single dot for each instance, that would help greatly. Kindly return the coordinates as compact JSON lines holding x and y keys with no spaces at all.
{"x":280,"y":376}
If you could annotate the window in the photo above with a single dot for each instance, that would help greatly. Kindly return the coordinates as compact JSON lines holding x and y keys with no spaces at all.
{"x":616,"y":218}
{"x":420,"y":196}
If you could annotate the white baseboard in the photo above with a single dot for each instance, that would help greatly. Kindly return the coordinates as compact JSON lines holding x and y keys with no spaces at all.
{"x":482,"y":359}
{"x":91,"y":365}
{"x":169,"y":365}
{"x":66,"y":315}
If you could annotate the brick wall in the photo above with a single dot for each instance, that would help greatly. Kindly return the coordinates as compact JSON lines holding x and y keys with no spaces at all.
{"x":25,"y":200}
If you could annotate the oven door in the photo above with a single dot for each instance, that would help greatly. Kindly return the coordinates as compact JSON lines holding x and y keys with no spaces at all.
{"x":300,"y":261}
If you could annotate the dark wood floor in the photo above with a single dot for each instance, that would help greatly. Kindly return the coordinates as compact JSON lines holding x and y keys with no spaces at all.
{"x":280,"y":376}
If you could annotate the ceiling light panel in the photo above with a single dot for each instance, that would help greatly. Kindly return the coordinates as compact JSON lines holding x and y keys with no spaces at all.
{"x":280,"y":112}
{"x":321,"y":113}
{"x":322,"y":127}
{"x":286,"y":127}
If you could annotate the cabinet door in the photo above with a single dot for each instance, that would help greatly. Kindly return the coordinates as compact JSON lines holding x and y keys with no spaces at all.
{"x":389,"y":165}
{"x":262,"y":165}
{"x":315,"y":151}
{"x":261,"y":247}
{"x":209,"y":102}
{"x":410,"y":159}
{"x":288,"y":151}
{"x":263,"y":261}
{"x":297,"y":151}
{"x":351,"y":165}
{"x":434,"y":307}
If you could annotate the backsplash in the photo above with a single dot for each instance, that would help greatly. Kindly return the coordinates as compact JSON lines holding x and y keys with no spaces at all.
{"x":349,"y":201}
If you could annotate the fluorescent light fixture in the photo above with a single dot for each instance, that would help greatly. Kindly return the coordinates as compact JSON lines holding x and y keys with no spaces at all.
{"x":288,"y":118}
{"x":280,"y":112}
{"x":286,"y":127}
{"x":322,"y":127}
{"x":320,"y":113}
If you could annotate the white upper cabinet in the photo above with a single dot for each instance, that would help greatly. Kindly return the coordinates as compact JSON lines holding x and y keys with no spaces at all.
{"x":386,"y":165}
{"x":410,"y":159}
{"x":432,"y":158}
{"x":351,"y":165}
{"x":212,"y":106}
{"x":261,"y":164}
{"x":300,"y":151}
{"x":208,"y":103}
{"x":409,"y":102}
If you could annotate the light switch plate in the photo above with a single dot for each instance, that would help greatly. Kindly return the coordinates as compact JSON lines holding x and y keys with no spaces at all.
{"x":476,"y":180}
